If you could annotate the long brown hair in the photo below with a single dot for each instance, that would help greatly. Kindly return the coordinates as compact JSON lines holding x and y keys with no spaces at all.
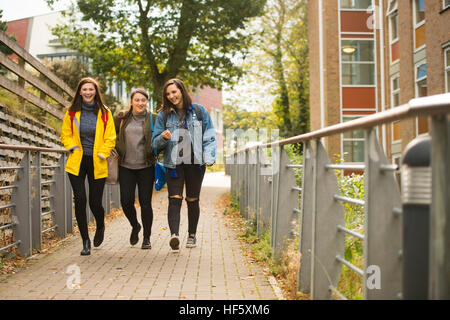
{"x":167,"y":105}
{"x":75,"y":105}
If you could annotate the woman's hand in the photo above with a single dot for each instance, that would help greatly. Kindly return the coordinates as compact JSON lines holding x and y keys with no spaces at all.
{"x":166,"y":135}
{"x":209,"y":164}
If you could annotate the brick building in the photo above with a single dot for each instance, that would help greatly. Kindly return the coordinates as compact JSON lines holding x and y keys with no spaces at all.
{"x":35,"y":36}
{"x":367,"y":56}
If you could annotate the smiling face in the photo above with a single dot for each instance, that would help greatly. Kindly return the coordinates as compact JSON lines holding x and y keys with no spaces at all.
{"x":139,"y":103}
{"x":174,"y":95}
{"x":88,"y":93}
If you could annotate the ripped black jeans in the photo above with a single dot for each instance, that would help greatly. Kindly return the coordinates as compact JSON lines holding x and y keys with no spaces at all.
{"x":190,"y":175}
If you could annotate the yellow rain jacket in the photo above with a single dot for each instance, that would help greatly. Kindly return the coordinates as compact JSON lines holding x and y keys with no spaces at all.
{"x":105,"y":141}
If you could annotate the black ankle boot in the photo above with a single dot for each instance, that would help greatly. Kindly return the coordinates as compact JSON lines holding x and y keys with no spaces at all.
{"x":134,"y":237}
{"x":86,"y":248}
{"x":99,"y":235}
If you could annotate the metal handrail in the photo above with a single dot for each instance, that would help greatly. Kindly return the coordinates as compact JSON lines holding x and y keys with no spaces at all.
{"x":425,"y":106}
{"x":30,"y":148}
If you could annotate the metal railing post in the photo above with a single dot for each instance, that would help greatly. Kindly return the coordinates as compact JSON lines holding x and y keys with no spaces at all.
{"x":440,"y":210}
{"x":306,"y":223}
{"x":68,"y":200}
{"x":285,"y":220}
{"x":36,"y":207}
{"x":21,"y":215}
{"x":265,"y":192}
{"x":382,"y":227}
{"x":329,"y":213}
{"x":257,"y":188}
{"x":276,"y":154}
{"x":58,"y":200}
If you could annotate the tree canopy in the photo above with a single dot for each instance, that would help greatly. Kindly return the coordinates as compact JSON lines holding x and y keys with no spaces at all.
{"x":145,"y":43}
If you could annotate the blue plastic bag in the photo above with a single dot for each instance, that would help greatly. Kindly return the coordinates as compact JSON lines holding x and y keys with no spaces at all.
{"x":160,"y":170}
{"x":160,"y":176}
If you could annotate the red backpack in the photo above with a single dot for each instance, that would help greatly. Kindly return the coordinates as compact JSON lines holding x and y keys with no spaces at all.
{"x":104,"y":118}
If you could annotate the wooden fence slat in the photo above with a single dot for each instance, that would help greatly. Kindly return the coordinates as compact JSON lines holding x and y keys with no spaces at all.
{"x":39,"y":84}
{"x":21,"y":92}
{"x":22,"y":53}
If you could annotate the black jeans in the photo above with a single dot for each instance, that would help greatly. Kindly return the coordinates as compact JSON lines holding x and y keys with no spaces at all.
{"x":190,"y":175}
{"x":96,"y":187}
{"x":143,"y":178}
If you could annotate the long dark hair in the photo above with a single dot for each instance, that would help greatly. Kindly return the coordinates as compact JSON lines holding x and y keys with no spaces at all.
{"x":75,"y":105}
{"x":167,"y":105}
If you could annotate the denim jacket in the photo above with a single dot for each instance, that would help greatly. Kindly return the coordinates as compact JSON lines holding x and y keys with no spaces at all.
{"x":202,"y":134}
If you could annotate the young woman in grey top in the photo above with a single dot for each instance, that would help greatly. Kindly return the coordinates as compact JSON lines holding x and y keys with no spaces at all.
{"x":136,"y":164}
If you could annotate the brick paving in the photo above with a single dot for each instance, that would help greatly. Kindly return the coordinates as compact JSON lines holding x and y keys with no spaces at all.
{"x":215,"y":269}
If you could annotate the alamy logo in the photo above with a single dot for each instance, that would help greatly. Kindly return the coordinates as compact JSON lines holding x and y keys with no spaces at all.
{"x":373,"y":280}
{"x":373,"y":22}
{"x":74,"y":280}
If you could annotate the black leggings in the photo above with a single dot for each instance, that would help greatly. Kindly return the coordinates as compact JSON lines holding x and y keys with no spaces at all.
{"x":143,"y":178}
{"x":190,"y":175}
{"x":96,"y":187}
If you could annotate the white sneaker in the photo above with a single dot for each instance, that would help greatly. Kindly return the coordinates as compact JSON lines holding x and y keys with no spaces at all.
{"x":174,"y":243}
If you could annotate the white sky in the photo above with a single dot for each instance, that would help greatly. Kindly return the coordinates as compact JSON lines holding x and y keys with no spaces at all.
{"x":19,"y":9}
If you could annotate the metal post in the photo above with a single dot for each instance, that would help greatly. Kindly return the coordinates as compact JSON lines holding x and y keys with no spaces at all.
{"x":382,"y":227}
{"x":36,"y":210}
{"x":115,"y":196}
{"x":306,"y":230}
{"x":265,"y":189}
{"x":286,"y":217}
{"x":21,"y":215}
{"x":440,"y":210}
{"x":328,"y":241}
{"x":276,"y":155}
{"x":58,"y":200}
{"x":68,"y":201}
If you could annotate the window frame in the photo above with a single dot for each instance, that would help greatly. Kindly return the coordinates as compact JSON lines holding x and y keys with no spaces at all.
{"x":344,"y":139}
{"x":416,"y":89}
{"x":417,"y":25}
{"x":356,"y":9}
{"x":358,"y":63}
{"x":447,"y":69}
{"x":445,"y":6}
{"x":393,"y":93}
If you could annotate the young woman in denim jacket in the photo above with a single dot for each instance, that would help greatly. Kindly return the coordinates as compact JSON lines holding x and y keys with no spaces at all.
{"x":186,"y":135}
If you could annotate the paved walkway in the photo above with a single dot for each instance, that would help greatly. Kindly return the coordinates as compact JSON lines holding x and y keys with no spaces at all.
{"x":216,"y":269}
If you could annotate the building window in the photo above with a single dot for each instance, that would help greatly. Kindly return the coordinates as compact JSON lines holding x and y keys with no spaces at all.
{"x":353,"y":142}
{"x":447,"y":69}
{"x":419,"y":23}
{"x":421,"y":91}
{"x":392,"y":14}
{"x":419,"y":11}
{"x":445,"y":4}
{"x":358,"y":62}
{"x":395,"y":102}
{"x":355,"y":4}
{"x":421,"y":80}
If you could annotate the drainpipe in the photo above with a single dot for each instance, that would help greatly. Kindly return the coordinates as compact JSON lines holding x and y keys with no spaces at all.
{"x":382,"y":85}
{"x":321,"y":76}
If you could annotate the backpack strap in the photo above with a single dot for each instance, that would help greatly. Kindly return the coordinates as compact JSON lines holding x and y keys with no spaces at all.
{"x":198,"y":112}
{"x":151,"y":124}
{"x":72,"y":115}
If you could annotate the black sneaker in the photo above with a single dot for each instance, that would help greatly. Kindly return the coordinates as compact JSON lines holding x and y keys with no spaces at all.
{"x":134,"y":238}
{"x":191,"y":241}
{"x":146,"y":244}
{"x":174,"y":243}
